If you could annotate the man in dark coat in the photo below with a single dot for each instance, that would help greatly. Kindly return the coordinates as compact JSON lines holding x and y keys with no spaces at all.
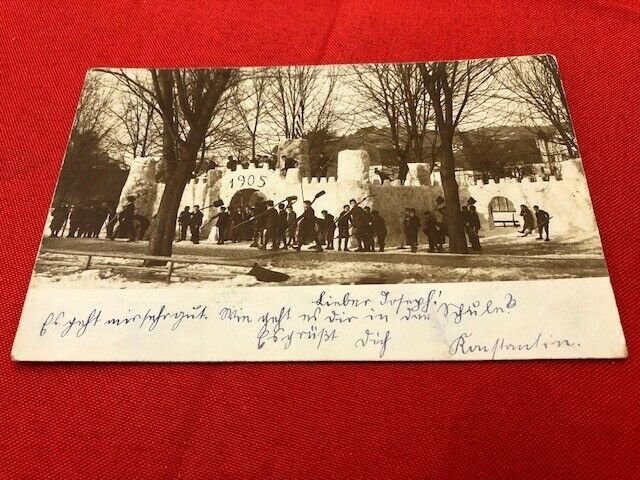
{"x":360,"y":224}
{"x":329,"y":228}
{"x":236,"y":219}
{"x":379,"y":228}
{"x":412,"y":228}
{"x":102,"y":212}
{"x":282,"y":225}
{"x":429,"y":229}
{"x":292,"y":224}
{"x":223,"y":223}
{"x":368,"y":232}
{"x":184,"y":220}
{"x":441,"y":221}
{"x":343,"y":228}
{"x":259,"y":224}
{"x":403,"y":170}
{"x":59,"y":217}
{"x":307,"y":227}
{"x":472,"y":227}
{"x":125,"y":220}
{"x":272,"y":224}
{"x":75,"y":220}
{"x":404,"y":229}
{"x":527,"y":219}
{"x":542,"y":221}
{"x":196,"y":224}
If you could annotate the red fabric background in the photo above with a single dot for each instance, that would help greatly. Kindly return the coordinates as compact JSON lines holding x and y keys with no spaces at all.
{"x":553,"y":419}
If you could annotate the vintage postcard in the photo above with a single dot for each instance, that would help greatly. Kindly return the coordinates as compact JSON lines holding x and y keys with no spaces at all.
{"x":414,"y":211}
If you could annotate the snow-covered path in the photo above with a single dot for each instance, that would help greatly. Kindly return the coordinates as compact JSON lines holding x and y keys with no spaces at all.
{"x":508,"y":258}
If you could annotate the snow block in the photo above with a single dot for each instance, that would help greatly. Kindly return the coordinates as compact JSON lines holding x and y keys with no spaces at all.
{"x":293,"y":175}
{"x":142,"y":184}
{"x":353,"y":165}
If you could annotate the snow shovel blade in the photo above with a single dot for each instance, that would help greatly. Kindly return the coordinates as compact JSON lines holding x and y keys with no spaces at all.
{"x":265,"y":275}
{"x":319,"y":194}
{"x":218,"y":203}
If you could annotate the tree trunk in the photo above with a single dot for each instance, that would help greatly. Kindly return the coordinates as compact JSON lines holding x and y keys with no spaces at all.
{"x":161,"y":242}
{"x":455,"y":224}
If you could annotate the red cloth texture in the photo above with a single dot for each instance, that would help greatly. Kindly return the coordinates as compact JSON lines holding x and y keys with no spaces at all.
{"x":534,"y":419}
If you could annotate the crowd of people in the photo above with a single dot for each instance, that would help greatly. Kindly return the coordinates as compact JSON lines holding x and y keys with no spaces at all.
{"x":82,"y":219}
{"x":319,"y":164}
{"x":87,"y":220}
{"x":267,"y":225}
{"x":536,"y":220}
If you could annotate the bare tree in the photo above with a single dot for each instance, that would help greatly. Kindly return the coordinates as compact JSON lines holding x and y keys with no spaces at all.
{"x":187,"y":102}
{"x":379,"y":84}
{"x":452,"y":86}
{"x":398,"y":92}
{"x":536,"y":81}
{"x":302,"y":99}
{"x":139,"y":129}
{"x":92,"y":118}
{"x":87,"y":141}
{"x":250,"y":101}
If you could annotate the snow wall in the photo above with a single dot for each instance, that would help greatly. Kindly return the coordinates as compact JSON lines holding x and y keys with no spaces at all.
{"x":141,"y":183}
{"x":567,"y":200}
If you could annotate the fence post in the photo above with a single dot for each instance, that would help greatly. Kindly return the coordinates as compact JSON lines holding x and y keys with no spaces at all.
{"x":169,"y":271}
{"x":88,"y":264}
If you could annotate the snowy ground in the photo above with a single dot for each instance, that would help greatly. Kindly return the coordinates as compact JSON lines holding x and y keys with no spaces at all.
{"x":505,"y":256}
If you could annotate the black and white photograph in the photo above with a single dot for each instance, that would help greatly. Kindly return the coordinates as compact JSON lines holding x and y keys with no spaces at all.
{"x":451,"y":171}
{"x":411,"y":211}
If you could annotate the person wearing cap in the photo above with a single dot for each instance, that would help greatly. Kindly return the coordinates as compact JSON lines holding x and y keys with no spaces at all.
{"x":292,"y":223}
{"x":272,"y":223}
{"x":259,"y":224}
{"x":430,"y":230}
{"x":440,"y":214}
{"x":368,"y":230}
{"x":359,"y":222}
{"x":412,"y":228}
{"x":282,"y":226}
{"x":125,"y":220}
{"x":403,"y":170}
{"x":184,"y":220}
{"x":236,"y":219}
{"x":223,"y":223}
{"x":542,"y":220}
{"x":329,"y":228}
{"x":404,"y":229}
{"x":196,"y":224}
{"x":307,"y":227}
{"x":472,"y":228}
{"x":59,"y":217}
{"x":527,"y":219}
{"x":343,"y":228}
{"x":379,"y":228}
